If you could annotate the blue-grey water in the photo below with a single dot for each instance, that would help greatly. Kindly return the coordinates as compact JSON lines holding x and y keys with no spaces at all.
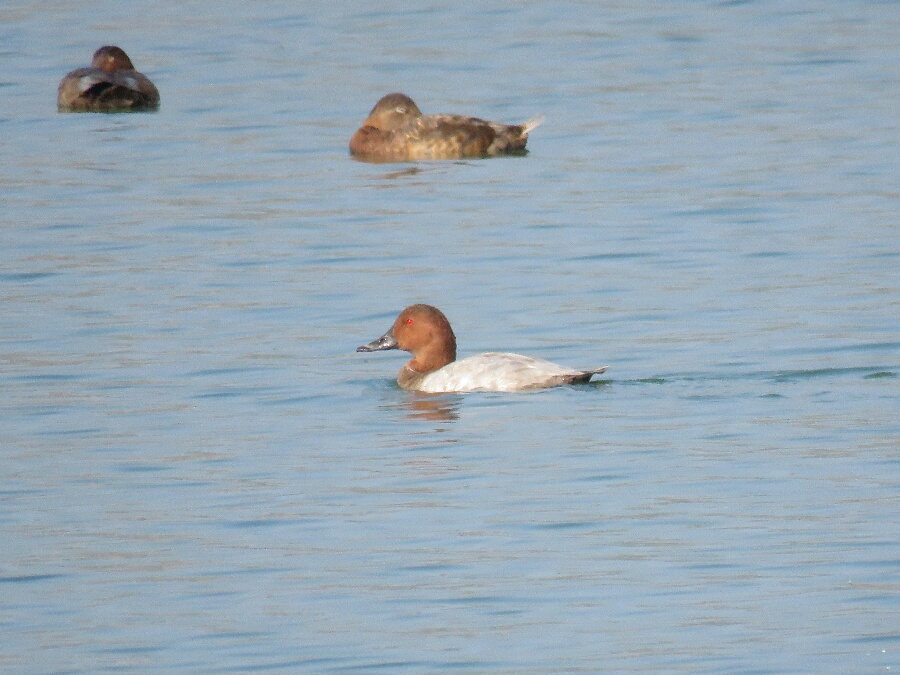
{"x":199,"y":474}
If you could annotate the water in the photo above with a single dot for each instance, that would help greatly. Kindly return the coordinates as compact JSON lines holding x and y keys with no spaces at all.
{"x":199,"y":472}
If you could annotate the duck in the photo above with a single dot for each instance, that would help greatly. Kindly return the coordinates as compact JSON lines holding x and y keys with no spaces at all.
{"x":397,"y":131}
{"x":109,"y":84}
{"x":425,"y":332}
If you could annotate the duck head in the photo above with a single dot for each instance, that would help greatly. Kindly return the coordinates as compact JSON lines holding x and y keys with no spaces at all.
{"x":392,"y":112}
{"x":110,"y":59}
{"x":423,"y":331}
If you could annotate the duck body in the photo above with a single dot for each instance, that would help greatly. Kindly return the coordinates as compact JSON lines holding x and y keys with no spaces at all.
{"x":397,"y":131}
{"x":109,"y":84}
{"x":424,"y":331}
{"x":493,"y":371}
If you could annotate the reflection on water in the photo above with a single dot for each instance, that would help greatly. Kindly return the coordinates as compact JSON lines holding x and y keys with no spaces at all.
{"x":427,"y":407}
{"x":402,"y":173}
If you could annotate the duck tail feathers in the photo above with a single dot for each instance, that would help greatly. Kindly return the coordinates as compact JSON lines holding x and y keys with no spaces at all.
{"x":532,"y":124}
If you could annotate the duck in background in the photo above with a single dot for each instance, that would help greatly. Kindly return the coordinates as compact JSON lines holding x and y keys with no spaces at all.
{"x":424,"y":331}
{"x":397,"y":131}
{"x":110,"y":84}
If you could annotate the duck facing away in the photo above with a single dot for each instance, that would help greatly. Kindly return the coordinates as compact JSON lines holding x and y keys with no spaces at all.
{"x":397,"y":131}
{"x":110,"y":84}
{"x":424,"y":331}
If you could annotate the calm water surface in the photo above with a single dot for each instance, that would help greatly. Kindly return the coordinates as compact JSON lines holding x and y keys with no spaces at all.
{"x":199,"y":474}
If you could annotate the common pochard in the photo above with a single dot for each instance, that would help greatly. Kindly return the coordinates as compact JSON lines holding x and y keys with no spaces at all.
{"x":424,"y":331}
{"x":110,"y":84}
{"x":397,"y":131}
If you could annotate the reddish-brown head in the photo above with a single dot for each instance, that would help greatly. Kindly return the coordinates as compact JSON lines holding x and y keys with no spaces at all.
{"x":423,"y":331}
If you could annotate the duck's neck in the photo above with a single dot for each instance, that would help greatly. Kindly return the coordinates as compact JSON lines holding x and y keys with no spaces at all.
{"x":408,"y":378}
{"x":434,"y":357}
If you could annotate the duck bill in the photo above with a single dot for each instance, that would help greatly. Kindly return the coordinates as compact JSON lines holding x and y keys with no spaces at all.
{"x":386,"y":341}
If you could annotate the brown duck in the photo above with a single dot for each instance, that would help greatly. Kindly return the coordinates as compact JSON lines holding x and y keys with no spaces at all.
{"x":397,"y":131}
{"x":110,"y":84}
